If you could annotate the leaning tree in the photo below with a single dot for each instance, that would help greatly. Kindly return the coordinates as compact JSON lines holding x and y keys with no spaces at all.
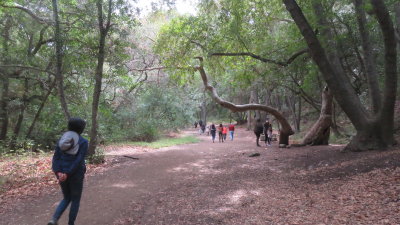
{"x":374,"y":127}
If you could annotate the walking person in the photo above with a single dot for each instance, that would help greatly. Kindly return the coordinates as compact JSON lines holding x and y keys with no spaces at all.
{"x":270,"y":134}
{"x":231,"y":129}
{"x":213,"y":131}
{"x":267,"y":129}
{"x":224,"y":132}
{"x":258,"y":130}
{"x":220,"y":135}
{"x":203,"y":128}
{"x":69,"y":167}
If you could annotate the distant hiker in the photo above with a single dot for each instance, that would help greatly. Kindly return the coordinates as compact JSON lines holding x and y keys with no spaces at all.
{"x":220,"y":136}
{"x":231,"y":129}
{"x":258,"y":130}
{"x":213,"y":131}
{"x":203,"y":128}
{"x":270,"y":134}
{"x":267,"y":129}
{"x":69,"y":167}
{"x":224,"y":132}
{"x":200,"y":123}
{"x":195,"y":124}
{"x":208,"y":130}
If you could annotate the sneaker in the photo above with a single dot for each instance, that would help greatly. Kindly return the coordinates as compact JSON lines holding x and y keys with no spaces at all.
{"x":52,"y":222}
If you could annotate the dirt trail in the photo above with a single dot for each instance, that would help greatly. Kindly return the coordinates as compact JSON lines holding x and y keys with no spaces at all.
{"x":217,"y":183}
{"x":107,"y":195}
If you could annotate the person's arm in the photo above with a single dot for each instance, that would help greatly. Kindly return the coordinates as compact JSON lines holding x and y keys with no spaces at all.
{"x":56,"y":162}
{"x":79,"y":158}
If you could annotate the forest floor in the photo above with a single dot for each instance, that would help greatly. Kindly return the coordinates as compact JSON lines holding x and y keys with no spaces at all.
{"x":218,"y":183}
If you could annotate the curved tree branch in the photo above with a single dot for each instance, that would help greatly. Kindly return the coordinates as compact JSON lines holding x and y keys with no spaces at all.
{"x":29,"y":12}
{"x":286,"y":128}
{"x":262,"y":59}
{"x":22,"y":67}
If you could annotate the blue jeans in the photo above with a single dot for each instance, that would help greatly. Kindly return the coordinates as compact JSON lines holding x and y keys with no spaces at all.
{"x":231,"y":134}
{"x":72,"y":192}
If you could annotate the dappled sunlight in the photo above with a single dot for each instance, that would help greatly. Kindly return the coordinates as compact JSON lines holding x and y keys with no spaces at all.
{"x":238,"y":196}
{"x":235,"y":197}
{"x":202,"y":167}
{"x":124,"y":185}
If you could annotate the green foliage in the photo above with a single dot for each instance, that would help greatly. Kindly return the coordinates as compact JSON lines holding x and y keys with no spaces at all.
{"x":98,"y":157}
{"x":167,"y":142}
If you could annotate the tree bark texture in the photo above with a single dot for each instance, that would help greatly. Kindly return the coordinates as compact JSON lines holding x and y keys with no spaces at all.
{"x":103,"y":31}
{"x":320,"y":131}
{"x":59,"y":58}
{"x":373,"y":131}
{"x":286,"y":129}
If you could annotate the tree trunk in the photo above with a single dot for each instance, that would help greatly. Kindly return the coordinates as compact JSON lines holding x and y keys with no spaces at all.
{"x":371,"y":72}
{"x":18,"y":126}
{"x":4,"y":108}
{"x":6,"y":83}
{"x":28,"y":134}
{"x":334,"y":126}
{"x":286,"y":130}
{"x":250,"y":117}
{"x":103,"y":28}
{"x":298,"y":116}
{"x":397,"y":12}
{"x":371,"y":129}
{"x":203,"y":110}
{"x":319,"y":132}
{"x":59,"y":58}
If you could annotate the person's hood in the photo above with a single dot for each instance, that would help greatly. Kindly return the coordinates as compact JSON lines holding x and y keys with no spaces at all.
{"x":68,"y":142}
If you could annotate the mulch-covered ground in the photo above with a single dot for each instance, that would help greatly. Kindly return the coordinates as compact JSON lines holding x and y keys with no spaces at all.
{"x":308,"y":185}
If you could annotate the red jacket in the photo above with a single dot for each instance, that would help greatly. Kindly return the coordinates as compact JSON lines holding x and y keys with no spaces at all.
{"x":224,"y":130}
{"x":231,"y":127}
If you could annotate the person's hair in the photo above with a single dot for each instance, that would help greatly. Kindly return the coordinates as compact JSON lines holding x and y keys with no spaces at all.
{"x":76,"y":124}
{"x":220,"y":124}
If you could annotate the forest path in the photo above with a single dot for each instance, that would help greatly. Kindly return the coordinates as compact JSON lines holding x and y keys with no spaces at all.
{"x":217,"y":183}
{"x":106,"y":196}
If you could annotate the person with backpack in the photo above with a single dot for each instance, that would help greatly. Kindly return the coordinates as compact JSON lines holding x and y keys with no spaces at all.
{"x":68,"y":164}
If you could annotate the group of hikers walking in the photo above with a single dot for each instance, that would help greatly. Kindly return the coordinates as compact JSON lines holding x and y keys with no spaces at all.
{"x":212,"y":129}
{"x":222,"y":132}
{"x":261,"y":130}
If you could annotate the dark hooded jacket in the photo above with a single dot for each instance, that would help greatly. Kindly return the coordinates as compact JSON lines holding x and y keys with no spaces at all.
{"x":68,"y":163}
